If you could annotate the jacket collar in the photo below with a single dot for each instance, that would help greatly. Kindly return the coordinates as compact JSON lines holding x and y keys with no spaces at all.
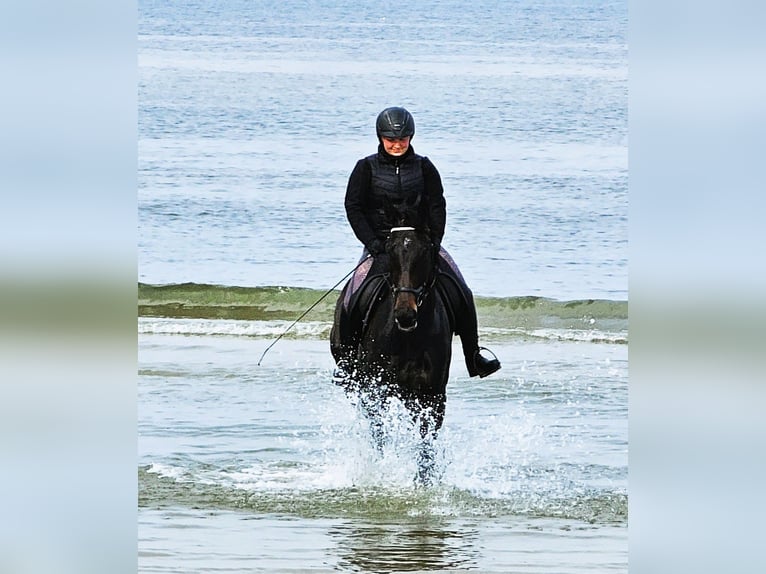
{"x":393,"y":159}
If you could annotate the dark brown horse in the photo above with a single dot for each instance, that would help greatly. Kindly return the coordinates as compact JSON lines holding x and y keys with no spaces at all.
{"x":403,"y":346}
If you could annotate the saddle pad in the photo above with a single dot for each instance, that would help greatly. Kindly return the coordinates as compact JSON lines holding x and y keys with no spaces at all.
{"x":352,"y":286}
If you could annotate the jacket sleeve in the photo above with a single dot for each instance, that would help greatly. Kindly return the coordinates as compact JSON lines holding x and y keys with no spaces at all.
{"x":357,"y":192}
{"x":437,"y":205}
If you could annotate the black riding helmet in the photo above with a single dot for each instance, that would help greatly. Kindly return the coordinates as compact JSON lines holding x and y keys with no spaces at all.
{"x":395,"y":123}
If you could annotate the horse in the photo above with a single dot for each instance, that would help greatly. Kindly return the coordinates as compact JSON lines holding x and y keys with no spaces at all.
{"x":403,"y":348}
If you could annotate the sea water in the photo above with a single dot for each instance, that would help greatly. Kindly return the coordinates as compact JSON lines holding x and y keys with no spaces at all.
{"x":251,"y":117}
{"x":270,"y":468}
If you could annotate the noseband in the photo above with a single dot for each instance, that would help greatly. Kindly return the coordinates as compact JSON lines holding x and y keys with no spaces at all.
{"x":419,"y":292}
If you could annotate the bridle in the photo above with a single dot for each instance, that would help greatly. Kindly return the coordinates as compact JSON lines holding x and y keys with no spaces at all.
{"x":419,"y":292}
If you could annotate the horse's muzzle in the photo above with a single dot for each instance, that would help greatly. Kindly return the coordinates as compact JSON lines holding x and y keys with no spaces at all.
{"x":406,"y":314}
{"x":406,"y":304}
{"x":407,"y":328}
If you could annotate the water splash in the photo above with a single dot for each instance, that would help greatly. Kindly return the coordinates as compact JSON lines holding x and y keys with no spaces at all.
{"x":495,"y":465}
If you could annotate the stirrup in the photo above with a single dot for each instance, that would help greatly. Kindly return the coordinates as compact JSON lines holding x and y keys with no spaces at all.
{"x":484,"y":367}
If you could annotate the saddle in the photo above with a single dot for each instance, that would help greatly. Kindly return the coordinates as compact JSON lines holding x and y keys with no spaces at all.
{"x":363,"y":293}
{"x":358,"y":301}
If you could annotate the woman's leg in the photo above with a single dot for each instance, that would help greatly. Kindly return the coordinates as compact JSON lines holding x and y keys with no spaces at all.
{"x":467,"y":324}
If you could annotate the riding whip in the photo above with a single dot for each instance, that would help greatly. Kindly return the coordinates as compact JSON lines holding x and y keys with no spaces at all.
{"x":330,"y":290}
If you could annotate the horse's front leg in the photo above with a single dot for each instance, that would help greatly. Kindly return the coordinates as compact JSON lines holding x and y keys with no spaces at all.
{"x":428,"y":413}
{"x":374,"y":402}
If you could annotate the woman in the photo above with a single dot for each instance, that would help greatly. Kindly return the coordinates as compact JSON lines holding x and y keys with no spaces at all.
{"x":396,"y":181}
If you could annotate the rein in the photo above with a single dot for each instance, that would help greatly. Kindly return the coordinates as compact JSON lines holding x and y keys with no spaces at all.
{"x":330,"y":290}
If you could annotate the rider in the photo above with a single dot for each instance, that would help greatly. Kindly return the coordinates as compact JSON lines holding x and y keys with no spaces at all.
{"x":394,"y":181}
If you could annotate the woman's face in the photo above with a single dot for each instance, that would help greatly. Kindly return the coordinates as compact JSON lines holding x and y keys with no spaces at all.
{"x":397,"y":146}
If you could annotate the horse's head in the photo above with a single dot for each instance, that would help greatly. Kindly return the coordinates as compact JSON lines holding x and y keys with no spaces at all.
{"x":412,"y":266}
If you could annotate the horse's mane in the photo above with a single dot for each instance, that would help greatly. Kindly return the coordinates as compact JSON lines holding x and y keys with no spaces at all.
{"x":407,"y":217}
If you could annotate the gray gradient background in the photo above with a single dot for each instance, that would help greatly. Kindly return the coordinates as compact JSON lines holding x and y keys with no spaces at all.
{"x":68,"y":356}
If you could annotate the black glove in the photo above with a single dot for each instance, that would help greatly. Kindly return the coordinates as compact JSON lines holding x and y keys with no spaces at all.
{"x":376,"y":247}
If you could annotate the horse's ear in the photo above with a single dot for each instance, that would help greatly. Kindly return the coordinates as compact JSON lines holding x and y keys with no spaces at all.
{"x":409,"y":217}
{"x":393,"y":215}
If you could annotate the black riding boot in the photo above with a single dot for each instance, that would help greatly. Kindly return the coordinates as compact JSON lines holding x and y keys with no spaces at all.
{"x":345,"y":334}
{"x":341,"y":343}
{"x":468,"y":329}
{"x":469,"y":338}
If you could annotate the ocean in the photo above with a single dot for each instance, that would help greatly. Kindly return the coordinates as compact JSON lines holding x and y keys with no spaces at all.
{"x":251,"y":117}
